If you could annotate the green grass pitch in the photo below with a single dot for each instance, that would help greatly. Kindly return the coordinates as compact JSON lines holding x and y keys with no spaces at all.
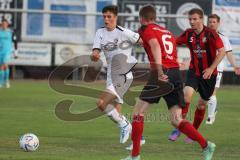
{"x":28,"y":106}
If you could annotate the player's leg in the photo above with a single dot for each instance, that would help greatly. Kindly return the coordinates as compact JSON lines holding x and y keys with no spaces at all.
{"x":140,"y":109}
{"x":199,"y":113}
{"x":206,"y":89}
{"x":188,"y":94}
{"x":189,"y":89}
{"x":187,"y":128}
{"x":126,"y":127}
{"x":212,"y":108}
{"x":212,"y":103}
{"x":1,"y":75}
{"x":176,"y":99}
{"x":105,"y":104}
{"x":6,"y":76}
{"x":198,"y":116}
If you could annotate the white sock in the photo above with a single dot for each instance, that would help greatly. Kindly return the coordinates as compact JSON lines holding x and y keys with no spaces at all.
{"x":212,"y":106}
{"x":116,"y":117}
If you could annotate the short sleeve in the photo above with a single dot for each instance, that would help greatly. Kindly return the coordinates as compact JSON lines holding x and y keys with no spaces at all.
{"x":97,"y":41}
{"x":227,"y":44}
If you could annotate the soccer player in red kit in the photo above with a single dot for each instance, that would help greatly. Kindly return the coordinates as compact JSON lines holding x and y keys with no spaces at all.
{"x":203,"y":43}
{"x":160,"y":46}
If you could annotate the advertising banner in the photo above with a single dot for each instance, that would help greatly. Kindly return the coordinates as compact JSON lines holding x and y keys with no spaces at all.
{"x":33,"y":54}
{"x":65,"y":52}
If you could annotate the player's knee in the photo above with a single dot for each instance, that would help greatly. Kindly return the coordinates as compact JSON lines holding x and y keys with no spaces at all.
{"x":174,"y":123}
{"x":202,"y":104}
{"x":100,"y":104}
{"x":187,"y":98}
{"x":175,"y":120}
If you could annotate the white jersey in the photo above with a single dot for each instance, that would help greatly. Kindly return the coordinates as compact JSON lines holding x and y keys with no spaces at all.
{"x":118,"y":41}
{"x":227,"y":47}
{"x":117,"y":47}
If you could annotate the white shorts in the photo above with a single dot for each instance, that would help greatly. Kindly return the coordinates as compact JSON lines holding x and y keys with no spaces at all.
{"x":218,"y":80}
{"x":119,"y":85}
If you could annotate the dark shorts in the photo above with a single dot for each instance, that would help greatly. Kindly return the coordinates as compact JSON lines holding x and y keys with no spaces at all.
{"x":175,"y":97}
{"x":205,"y":87}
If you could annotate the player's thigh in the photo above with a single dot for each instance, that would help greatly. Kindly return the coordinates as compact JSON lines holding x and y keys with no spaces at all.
{"x":191,"y":86}
{"x":149,"y":92}
{"x":188,"y":93}
{"x":120,"y":83}
{"x":141,"y":107}
{"x":206,"y":87}
{"x":176,"y":97}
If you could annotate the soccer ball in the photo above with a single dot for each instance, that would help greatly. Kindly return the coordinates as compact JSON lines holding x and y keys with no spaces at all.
{"x":29,"y":142}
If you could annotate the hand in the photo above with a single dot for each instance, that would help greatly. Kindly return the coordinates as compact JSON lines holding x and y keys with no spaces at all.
{"x":207,"y":73}
{"x":237,"y":70}
{"x":95,"y":57}
{"x":163,"y":77}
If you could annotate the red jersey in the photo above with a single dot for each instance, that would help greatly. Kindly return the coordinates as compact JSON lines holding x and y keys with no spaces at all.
{"x":203,"y":48}
{"x":166,"y":41}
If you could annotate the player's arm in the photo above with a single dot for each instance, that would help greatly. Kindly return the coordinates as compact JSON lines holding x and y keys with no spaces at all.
{"x":208,"y":72}
{"x":218,"y":44}
{"x":229,"y":54}
{"x":95,"y":56}
{"x":157,"y":54}
{"x":232,"y":61}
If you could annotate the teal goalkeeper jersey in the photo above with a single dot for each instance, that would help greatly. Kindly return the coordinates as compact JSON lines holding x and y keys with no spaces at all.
{"x":5,"y":42}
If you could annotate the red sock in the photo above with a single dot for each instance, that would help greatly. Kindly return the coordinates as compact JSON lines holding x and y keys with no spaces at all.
{"x":185,"y":110}
{"x":198,"y":118}
{"x":187,"y":128}
{"x":137,"y":130}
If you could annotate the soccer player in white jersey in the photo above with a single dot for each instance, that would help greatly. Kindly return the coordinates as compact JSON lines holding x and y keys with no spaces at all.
{"x":214,"y":23}
{"x":116,"y":43}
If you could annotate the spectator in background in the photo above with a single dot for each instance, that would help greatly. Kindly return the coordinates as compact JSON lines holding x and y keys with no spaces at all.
{"x":7,"y":49}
